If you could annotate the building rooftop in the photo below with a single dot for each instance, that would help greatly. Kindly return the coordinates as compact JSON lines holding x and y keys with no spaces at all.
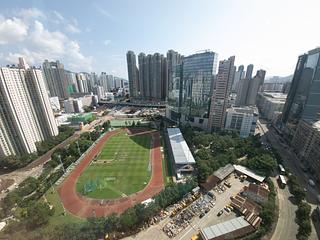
{"x":180,"y":149}
{"x":224,"y":172}
{"x":258,"y":190}
{"x":275,"y":96}
{"x":224,"y":228}
{"x":249,"y":173}
{"x":244,"y":110}
{"x":316,"y":125}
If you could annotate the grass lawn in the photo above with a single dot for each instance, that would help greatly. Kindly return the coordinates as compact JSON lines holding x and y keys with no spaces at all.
{"x":122,"y":168}
{"x":59,"y":217}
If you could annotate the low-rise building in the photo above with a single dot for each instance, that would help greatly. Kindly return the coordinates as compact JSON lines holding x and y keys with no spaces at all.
{"x":270,"y":104}
{"x":217,"y":177}
{"x":305,"y":143}
{"x":242,"y":120}
{"x":246,"y":171}
{"x":256,"y":193}
{"x":231,"y":229}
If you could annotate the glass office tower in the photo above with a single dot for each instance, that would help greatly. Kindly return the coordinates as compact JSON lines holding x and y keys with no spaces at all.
{"x":303,"y":100}
{"x":192,"y":83}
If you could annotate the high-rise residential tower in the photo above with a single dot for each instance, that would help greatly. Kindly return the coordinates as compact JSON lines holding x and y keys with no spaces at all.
{"x":303,"y":100}
{"x":26,"y":116}
{"x":240,"y":74}
{"x":153,"y":75}
{"x":133,"y":74}
{"x":173,"y":59}
{"x":56,"y":80}
{"x":255,"y":83}
{"x":249,"y":71}
{"x":221,"y":93}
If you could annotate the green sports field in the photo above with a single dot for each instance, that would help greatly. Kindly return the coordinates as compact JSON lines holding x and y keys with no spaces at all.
{"x":122,"y":168}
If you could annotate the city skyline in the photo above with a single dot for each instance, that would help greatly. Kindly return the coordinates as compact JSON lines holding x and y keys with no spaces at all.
{"x":47,"y":30}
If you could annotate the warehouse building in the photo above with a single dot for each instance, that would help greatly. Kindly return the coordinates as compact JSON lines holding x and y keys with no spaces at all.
{"x":243,"y":170}
{"x":232,"y":229}
{"x":217,"y":177}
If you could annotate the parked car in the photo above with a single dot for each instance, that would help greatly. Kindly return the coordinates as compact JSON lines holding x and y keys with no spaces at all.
{"x":220,"y":213}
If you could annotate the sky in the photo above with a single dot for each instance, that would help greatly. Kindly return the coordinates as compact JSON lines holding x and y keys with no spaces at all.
{"x":95,"y":35}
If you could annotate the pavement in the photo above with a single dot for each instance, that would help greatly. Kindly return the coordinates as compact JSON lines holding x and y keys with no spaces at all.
{"x":209,"y":219}
{"x":287,"y":207}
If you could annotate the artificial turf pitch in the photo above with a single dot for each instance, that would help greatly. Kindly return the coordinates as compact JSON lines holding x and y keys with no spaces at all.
{"x":122,"y":168}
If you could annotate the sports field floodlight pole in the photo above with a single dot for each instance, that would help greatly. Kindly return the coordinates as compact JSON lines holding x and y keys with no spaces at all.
{"x":90,"y":136}
{"x":78,"y":148}
{"x":59,"y":156}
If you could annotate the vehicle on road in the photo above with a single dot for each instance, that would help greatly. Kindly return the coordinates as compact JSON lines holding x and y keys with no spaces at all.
{"x":281,"y":169}
{"x":202,"y":215}
{"x":227,"y":209}
{"x":220,"y":213}
{"x":311,"y":183}
{"x":282,"y":181}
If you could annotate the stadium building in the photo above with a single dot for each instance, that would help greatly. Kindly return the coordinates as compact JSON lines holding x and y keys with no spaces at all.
{"x":180,"y":153}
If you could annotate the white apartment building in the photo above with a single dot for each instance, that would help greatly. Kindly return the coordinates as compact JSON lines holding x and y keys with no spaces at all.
{"x":242,"y":119}
{"x":26,"y":116}
{"x":55,"y":104}
{"x":270,"y":104}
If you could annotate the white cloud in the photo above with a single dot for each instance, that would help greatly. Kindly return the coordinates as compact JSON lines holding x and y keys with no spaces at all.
{"x":38,"y":43}
{"x":28,"y":13}
{"x":12,"y":30}
{"x":107,"y":42}
{"x":102,"y":11}
{"x":58,"y":16}
{"x":72,"y":28}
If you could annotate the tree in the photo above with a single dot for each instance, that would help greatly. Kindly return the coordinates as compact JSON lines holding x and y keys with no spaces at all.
{"x":38,"y":214}
{"x":128,"y":219}
{"x":263,"y":164}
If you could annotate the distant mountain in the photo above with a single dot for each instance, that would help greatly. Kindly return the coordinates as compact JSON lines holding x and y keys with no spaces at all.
{"x":277,"y":79}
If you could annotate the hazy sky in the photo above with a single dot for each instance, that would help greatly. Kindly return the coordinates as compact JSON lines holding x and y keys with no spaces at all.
{"x":95,"y":35}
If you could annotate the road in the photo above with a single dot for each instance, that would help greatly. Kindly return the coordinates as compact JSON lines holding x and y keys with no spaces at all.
{"x":286,"y":227}
{"x":291,"y":162}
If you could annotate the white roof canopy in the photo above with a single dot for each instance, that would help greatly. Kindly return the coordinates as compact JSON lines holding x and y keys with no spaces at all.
{"x":180,"y":149}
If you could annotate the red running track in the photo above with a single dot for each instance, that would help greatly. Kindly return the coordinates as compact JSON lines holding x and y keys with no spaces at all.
{"x":84,"y":207}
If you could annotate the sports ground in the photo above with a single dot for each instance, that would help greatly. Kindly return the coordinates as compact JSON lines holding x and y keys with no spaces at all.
{"x":121,"y":168}
{"x":84,"y":206}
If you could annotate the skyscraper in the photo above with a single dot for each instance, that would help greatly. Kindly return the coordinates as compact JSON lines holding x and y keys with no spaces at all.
{"x":303,"y":100}
{"x":133,"y":74}
{"x":255,"y":83}
{"x":249,"y":71}
{"x":72,"y":82}
{"x":26,"y":116}
{"x":248,"y":87}
{"x":56,"y":80}
{"x":82,"y":82}
{"x":240,"y":74}
{"x":191,"y":88}
{"x":221,"y":93}
{"x":153,"y":76}
{"x":173,"y":59}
